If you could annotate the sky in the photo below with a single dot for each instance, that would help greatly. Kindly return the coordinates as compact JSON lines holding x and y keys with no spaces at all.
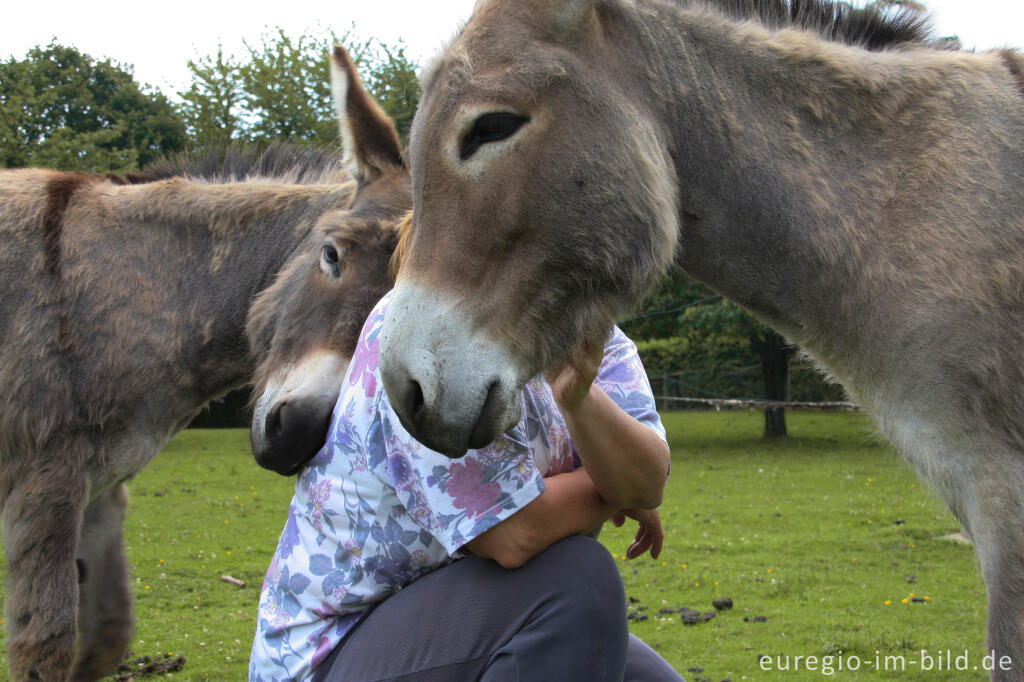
{"x":158,"y":39}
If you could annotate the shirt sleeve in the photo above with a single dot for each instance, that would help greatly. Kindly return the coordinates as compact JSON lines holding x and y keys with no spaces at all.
{"x":454,"y":500}
{"x":623,"y":378}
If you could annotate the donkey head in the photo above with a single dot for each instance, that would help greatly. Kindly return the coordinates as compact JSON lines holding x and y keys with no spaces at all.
{"x":544,"y":204}
{"x":309,"y":320}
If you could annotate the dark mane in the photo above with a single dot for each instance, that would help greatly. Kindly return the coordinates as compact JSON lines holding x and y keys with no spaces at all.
{"x":868,"y":27}
{"x":246,"y":163}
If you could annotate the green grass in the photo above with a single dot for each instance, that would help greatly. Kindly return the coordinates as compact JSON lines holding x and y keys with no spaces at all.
{"x":801,"y":530}
{"x":816,"y":532}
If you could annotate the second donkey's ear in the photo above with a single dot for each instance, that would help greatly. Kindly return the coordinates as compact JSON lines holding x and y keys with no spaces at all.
{"x":369,"y":137}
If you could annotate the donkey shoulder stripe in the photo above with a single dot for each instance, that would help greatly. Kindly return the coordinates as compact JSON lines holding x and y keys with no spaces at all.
{"x":59,"y":190}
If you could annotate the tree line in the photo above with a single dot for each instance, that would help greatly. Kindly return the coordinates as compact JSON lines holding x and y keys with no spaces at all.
{"x":63,"y":109}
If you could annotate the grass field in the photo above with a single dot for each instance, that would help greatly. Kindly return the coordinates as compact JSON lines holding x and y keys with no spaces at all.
{"x":824,"y":534}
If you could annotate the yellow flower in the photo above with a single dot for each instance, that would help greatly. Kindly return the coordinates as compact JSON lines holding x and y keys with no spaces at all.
{"x":888,"y":602}
{"x":906,"y":601}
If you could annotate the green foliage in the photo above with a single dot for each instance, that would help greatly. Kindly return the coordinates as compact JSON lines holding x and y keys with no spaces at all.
{"x":724,"y":366}
{"x":712,"y":347}
{"x":803,"y":531}
{"x":392,"y":81}
{"x":60,"y":108}
{"x":281,"y":90}
{"x":211,"y":105}
{"x":286,"y":84}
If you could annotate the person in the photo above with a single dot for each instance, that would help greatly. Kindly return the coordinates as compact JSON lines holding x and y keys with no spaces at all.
{"x":397,"y":562}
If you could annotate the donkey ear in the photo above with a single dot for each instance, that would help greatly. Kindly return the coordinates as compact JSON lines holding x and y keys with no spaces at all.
{"x":367,"y":134}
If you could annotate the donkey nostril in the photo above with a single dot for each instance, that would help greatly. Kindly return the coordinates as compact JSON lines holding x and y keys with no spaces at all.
{"x":273,"y":424}
{"x":416,"y":407}
{"x":483,"y":430}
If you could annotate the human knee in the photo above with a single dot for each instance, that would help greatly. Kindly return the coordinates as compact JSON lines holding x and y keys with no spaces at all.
{"x":589,"y":579}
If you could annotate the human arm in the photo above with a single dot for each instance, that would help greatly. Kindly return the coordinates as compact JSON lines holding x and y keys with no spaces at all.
{"x":569,"y":505}
{"x":627,"y":461}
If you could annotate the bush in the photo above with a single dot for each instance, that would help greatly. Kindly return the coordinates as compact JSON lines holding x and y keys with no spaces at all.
{"x":724,"y":368}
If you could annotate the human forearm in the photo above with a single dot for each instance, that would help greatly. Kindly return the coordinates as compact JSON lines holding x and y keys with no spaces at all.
{"x":627,"y":461}
{"x":569,"y":505}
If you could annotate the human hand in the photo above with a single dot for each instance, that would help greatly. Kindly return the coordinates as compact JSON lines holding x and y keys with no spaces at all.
{"x":570,"y":379}
{"x":649,"y":535}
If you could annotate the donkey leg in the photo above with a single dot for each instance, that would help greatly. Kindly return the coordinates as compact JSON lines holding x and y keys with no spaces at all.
{"x":995,"y":522}
{"x":104,"y":608}
{"x":42,"y":513}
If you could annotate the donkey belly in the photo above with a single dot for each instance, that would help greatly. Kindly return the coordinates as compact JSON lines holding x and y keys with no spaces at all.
{"x":123,"y":456}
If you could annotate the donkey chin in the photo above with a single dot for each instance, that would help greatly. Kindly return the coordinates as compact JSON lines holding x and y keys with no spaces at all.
{"x":452,"y":388}
{"x":292,"y":415}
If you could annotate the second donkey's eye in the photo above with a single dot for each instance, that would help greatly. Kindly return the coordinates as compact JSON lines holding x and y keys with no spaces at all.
{"x":490,"y":128}
{"x":330,"y":260}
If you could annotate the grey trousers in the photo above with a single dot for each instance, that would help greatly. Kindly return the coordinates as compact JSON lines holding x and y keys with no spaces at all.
{"x":562,"y":616}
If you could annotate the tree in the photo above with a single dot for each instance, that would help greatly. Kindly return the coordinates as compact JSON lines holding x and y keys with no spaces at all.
{"x":211,"y":104}
{"x":392,"y":80}
{"x":286,"y":87}
{"x":280,"y":90}
{"x":60,"y":108}
{"x":720,"y":331}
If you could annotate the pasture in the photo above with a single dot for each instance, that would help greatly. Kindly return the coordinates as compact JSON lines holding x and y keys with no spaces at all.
{"x":816,"y":533}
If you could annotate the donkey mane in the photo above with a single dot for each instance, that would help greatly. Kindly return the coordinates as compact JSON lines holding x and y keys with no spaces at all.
{"x":836,"y":21}
{"x":279,"y":163}
{"x":868,"y":27}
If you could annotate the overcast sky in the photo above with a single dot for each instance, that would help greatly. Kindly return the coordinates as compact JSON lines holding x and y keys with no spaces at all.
{"x":157,"y":39}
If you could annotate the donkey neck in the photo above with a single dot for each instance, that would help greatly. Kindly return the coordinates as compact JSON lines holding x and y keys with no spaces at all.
{"x":804,"y":165}
{"x":218,"y":246}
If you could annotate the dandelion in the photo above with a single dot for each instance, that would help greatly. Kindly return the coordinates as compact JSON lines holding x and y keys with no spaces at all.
{"x":906,"y":601}
{"x":769,"y":570}
{"x":888,"y":602}
{"x":147,"y":587}
{"x":926,"y":598}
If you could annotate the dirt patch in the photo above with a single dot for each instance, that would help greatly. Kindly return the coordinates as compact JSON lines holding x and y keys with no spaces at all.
{"x":137,"y":667}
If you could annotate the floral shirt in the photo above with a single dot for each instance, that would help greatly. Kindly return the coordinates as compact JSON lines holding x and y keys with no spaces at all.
{"x":375,"y":509}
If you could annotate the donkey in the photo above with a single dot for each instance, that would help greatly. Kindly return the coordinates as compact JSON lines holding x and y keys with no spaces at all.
{"x":827,"y":168}
{"x":128,"y":304}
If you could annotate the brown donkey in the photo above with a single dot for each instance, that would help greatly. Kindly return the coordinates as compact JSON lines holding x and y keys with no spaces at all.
{"x":856,"y":189}
{"x":125,"y":311}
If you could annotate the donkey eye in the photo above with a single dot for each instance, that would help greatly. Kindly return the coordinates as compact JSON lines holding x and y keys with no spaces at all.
{"x":330,"y":260}
{"x":490,"y":128}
